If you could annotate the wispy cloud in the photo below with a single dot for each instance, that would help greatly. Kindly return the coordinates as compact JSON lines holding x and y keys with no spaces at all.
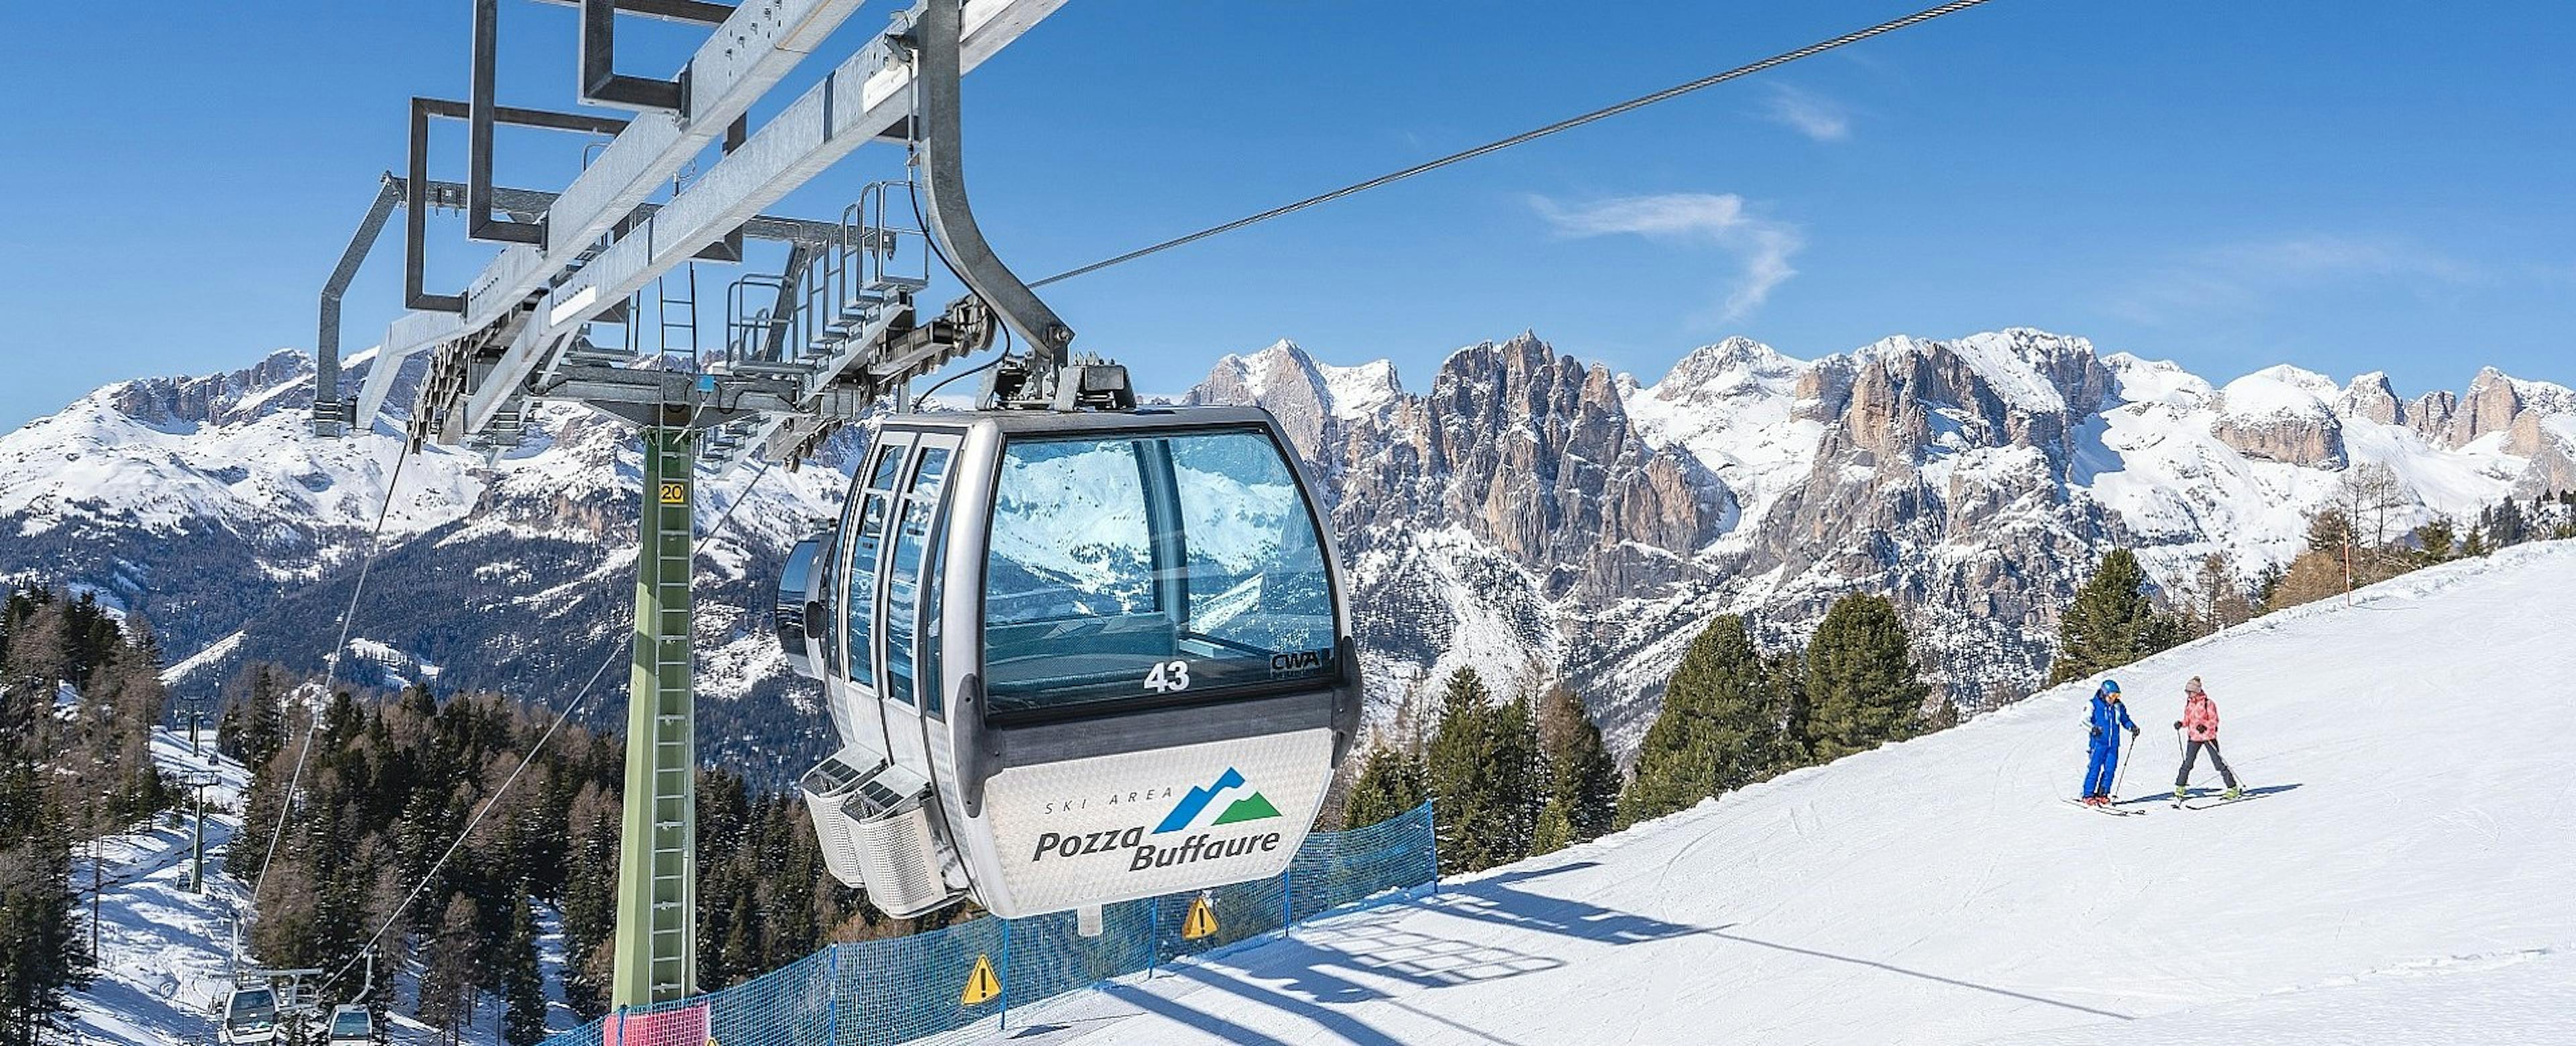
{"x":1811,"y":114}
{"x":2237,"y":276}
{"x":1762,"y":246}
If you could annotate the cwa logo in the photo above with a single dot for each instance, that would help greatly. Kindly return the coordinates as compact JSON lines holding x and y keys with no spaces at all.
{"x":1253,"y":807}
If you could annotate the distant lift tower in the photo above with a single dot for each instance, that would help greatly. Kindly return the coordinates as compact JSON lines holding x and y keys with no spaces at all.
{"x":803,"y":349}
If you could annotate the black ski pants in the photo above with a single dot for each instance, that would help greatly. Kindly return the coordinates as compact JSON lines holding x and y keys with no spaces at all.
{"x":2191,"y":757}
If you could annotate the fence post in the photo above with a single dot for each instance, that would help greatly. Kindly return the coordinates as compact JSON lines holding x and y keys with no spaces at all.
{"x":1431,"y":821}
{"x":1006,"y":976}
{"x":1287,"y":898}
{"x":832,"y":996}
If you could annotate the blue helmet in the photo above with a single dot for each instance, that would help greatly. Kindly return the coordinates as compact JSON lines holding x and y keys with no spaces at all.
{"x":2110,"y":686}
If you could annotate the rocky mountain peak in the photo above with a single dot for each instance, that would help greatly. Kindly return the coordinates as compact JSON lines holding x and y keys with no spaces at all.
{"x":2371,"y":397}
{"x":274,"y":383}
{"x":1900,"y":396}
{"x":1730,"y":368}
{"x":2281,"y":414}
{"x":1526,"y":508}
{"x":2431,"y":413}
{"x":2490,"y":406}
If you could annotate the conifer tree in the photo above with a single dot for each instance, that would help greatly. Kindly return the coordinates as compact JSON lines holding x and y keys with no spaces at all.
{"x":1861,"y":684}
{"x":1486,"y":780}
{"x":2438,"y":541}
{"x":448,"y":986}
{"x":523,"y":989}
{"x":1455,"y":769}
{"x":1583,"y":778}
{"x":2111,"y":622}
{"x":1519,"y":782}
{"x":1715,"y":733}
{"x":1389,"y":785}
{"x":1555,"y":830}
{"x":42,"y":952}
{"x":2504,"y":524}
{"x":1788,"y":713}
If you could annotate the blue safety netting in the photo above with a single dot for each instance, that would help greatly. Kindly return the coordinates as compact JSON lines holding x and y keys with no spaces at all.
{"x":903,"y":988}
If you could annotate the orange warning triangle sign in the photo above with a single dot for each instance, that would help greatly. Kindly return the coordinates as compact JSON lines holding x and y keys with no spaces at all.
{"x":1201,"y":921}
{"x":982,"y":984}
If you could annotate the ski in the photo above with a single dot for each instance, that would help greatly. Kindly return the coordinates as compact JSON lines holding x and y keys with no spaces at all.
{"x":2247,"y":797}
{"x":2104,"y":810}
{"x":2167,"y":798}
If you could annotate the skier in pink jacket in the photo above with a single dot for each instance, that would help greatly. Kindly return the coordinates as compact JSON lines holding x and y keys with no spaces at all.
{"x":2199,"y":724}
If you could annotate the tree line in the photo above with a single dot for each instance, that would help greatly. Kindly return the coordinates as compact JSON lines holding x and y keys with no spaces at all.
{"x":79,"y":694}
{"x":2355,"y":540}
{"x":392,"y":783}
{"x":2121,"y":614}
{"x":1509,"y":779}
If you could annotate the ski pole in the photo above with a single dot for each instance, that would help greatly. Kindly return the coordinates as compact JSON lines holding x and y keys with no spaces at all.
{"x":2123,"y":774}
{"x":2180,"y":752}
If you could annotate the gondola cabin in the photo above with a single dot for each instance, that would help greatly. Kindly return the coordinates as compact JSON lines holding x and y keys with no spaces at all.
{"x":1073,"y":658}
{"x":249,"y":1017}
{"x":351,"y":1026}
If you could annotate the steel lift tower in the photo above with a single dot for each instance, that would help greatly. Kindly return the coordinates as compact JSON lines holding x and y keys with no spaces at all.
{"x":685,"y":179}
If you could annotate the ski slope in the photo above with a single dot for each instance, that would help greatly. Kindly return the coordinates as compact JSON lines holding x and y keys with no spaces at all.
{"x":162,"y":966}
{"x":164,"y":951}
{"x":2418,"y":884}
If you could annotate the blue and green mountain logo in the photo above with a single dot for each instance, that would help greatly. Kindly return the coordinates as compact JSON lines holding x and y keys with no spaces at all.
{"x":1253,"y":807}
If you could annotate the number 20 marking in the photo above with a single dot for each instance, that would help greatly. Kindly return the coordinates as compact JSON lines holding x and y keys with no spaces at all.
{"x":1168,"y":676}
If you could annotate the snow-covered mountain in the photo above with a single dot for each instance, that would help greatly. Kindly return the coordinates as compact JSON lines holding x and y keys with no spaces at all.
{"x":1530,"y":510}
{"x":1938,"y":891}
{"x":1529,"y":513}
{"x":206,"y":506}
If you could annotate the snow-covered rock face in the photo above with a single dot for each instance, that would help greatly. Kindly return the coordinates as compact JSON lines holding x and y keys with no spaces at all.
{"x":1529,"y":514}
{"x":2282,"y":414}
{"x":1533,"y":515}
{"x":207,"y":507}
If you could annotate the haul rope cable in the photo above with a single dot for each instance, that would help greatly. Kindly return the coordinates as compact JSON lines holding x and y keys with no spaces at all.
{"x":1355,"y":188}
{"x":1498,"y":145}
{"x":489,"y":801}
{"x":330,"y":672}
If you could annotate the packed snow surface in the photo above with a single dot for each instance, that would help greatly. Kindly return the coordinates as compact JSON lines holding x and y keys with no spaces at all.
{"x":164,"y":967}
{"x":2408,"y":882}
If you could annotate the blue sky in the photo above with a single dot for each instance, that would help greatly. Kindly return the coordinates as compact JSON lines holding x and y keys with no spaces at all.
{"x":2344,"y":184}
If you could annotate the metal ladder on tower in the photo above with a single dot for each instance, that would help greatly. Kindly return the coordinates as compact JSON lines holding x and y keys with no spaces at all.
{"x":657,"y":863}
{"x":678,"y":335}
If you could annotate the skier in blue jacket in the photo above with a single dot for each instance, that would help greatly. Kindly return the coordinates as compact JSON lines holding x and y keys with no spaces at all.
{"x":2109,"y":715}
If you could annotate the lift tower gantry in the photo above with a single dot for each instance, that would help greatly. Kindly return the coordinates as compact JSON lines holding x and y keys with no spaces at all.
{"x":804,"y":350}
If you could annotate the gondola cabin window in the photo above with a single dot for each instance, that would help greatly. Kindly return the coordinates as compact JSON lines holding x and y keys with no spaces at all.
{"x":867,"y":539}
{"x":1152,"y":568}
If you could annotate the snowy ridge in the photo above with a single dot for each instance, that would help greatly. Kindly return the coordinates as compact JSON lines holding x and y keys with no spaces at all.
{"x":2280,"y":391}
{"x":1532,"y":509}
{"x":1977,"y":479}
{"x":205,"y":506}
{"x":1731,"y":406}
{"x":1936,"y":891}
